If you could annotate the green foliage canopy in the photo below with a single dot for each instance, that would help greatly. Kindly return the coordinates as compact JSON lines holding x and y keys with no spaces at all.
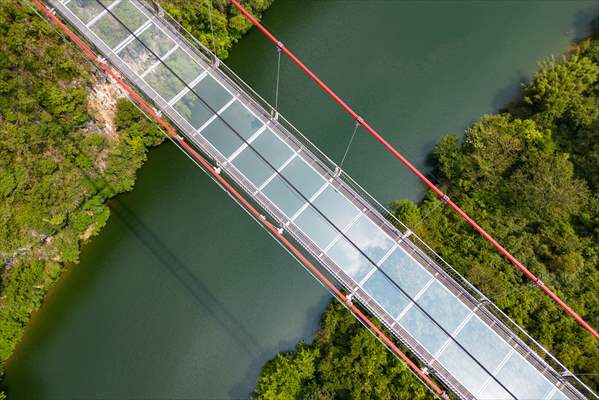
{"x":228,"y":24}
{"x":344,"y":362}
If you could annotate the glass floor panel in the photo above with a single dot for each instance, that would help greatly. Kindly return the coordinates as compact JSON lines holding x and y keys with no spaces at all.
{"x":404,"y":270}
{"x":137,"y":57}
{"x":336,"y":207}
{"x":484,"y":344}
{"x":443,"y":306}
{"x":193,"y":109}
{"x":386,"y":293}
{"x":86,"y":10}
{"x":252,"y":166}
{"x":221,"y":137}
{"x":146,"y":49}
{"x":183,"y":65}
{"x":316,"y":227}
{"x":370,"y":238}
{"x":272,"y":148}
{"x":522,"y":379}
{"x":164,"y":82}
{"x":110,"y":31}
{"x":241,"y":120}
{"x":494,"y":391}
{"x":156,"y":40}
{"x":345,"y":255}
{"x":303,"y":177}
{"x":283,"y":196}
{"x":429,"y":335}
{"x":128,"y":15}
{"x":463,"y":367}
{"x":212,"y":94}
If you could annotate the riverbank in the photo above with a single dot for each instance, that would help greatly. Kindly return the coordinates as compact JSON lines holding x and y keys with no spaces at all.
{"x":530,"y":174}
{"x":69,"y":141}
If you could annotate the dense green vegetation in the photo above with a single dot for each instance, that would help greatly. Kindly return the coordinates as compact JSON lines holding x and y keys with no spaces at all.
{"x":228,"y":24}
{"x":344,"y":362}
{"x":531,"y":177}
{"x":59,"y":162}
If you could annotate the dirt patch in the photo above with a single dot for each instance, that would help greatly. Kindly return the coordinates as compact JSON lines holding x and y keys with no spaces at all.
{"x":87,"y":233}
{"x":103,"y":96}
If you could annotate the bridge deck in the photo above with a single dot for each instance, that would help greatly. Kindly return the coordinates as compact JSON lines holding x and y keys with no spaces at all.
{"x":457,"y":338}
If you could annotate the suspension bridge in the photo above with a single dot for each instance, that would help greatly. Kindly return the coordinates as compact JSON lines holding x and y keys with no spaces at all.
{"x":453,"y":338}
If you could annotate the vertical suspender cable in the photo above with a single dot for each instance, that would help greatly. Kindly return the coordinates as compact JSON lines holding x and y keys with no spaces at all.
{"x":277,"y":81}
{"x":419,"y":174}
{"x":349,"y":145}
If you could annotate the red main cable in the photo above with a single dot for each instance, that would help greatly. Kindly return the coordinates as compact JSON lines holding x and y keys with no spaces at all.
{"x":259,"y":217}
{"x":416,"y":172}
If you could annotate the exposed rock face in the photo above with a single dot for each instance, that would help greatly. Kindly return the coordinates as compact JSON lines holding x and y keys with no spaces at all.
{"x":103,"y":96}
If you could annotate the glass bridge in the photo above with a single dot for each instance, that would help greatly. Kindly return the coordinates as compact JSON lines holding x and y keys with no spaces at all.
{"x":454,"y":331}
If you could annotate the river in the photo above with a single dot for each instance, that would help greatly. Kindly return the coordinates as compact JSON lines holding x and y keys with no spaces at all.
{"x":182,"y":295}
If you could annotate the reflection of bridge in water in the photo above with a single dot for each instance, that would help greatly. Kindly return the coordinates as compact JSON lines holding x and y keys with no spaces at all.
{"x":457,"y":335}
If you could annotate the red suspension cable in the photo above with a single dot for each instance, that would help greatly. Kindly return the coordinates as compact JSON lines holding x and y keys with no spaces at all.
{"x":173,"y":134}
{"x":416,"y":172}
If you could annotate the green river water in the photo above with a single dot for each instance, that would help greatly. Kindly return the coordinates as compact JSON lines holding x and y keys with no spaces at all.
{"x":182,"y":295}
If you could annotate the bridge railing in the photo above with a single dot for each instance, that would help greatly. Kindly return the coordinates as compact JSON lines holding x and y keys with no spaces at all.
{"x":506,"y":324}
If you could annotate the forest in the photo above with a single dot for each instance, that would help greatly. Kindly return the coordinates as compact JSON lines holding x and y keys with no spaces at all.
{"x":63,"y":153}
{"x":530,"y":176}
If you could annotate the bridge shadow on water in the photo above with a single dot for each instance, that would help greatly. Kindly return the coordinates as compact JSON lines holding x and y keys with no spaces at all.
{"x":185,"y":276}
{"x":230,"y":325}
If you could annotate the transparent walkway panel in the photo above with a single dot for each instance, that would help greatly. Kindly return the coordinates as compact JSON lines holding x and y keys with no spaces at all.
{"x":522,"y":379}
{"x":87,"y":10}
{"x":222,"y":137}
{"x":183,"y":65}
{"x":146,"y":50}
{"x":494,"y":391}
{"x":193,"y":109}
{"x":385,"y":293}
{"x":484,"y":344}
{"x":272,"y":149}
{"x":303,"y":178}
{"x":406,"y":272}
{"x":253,"y":167}
{"x":241,"y":120}
{"x":110,"y":31}
{"x":337,"y":208}
{"x":370,"y":239}
{"x":419,"y":326}
{"x":443,"y":306}
{"x":316,"y":227}
{"x":350,"y":259}
{"x":463,"y":367}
